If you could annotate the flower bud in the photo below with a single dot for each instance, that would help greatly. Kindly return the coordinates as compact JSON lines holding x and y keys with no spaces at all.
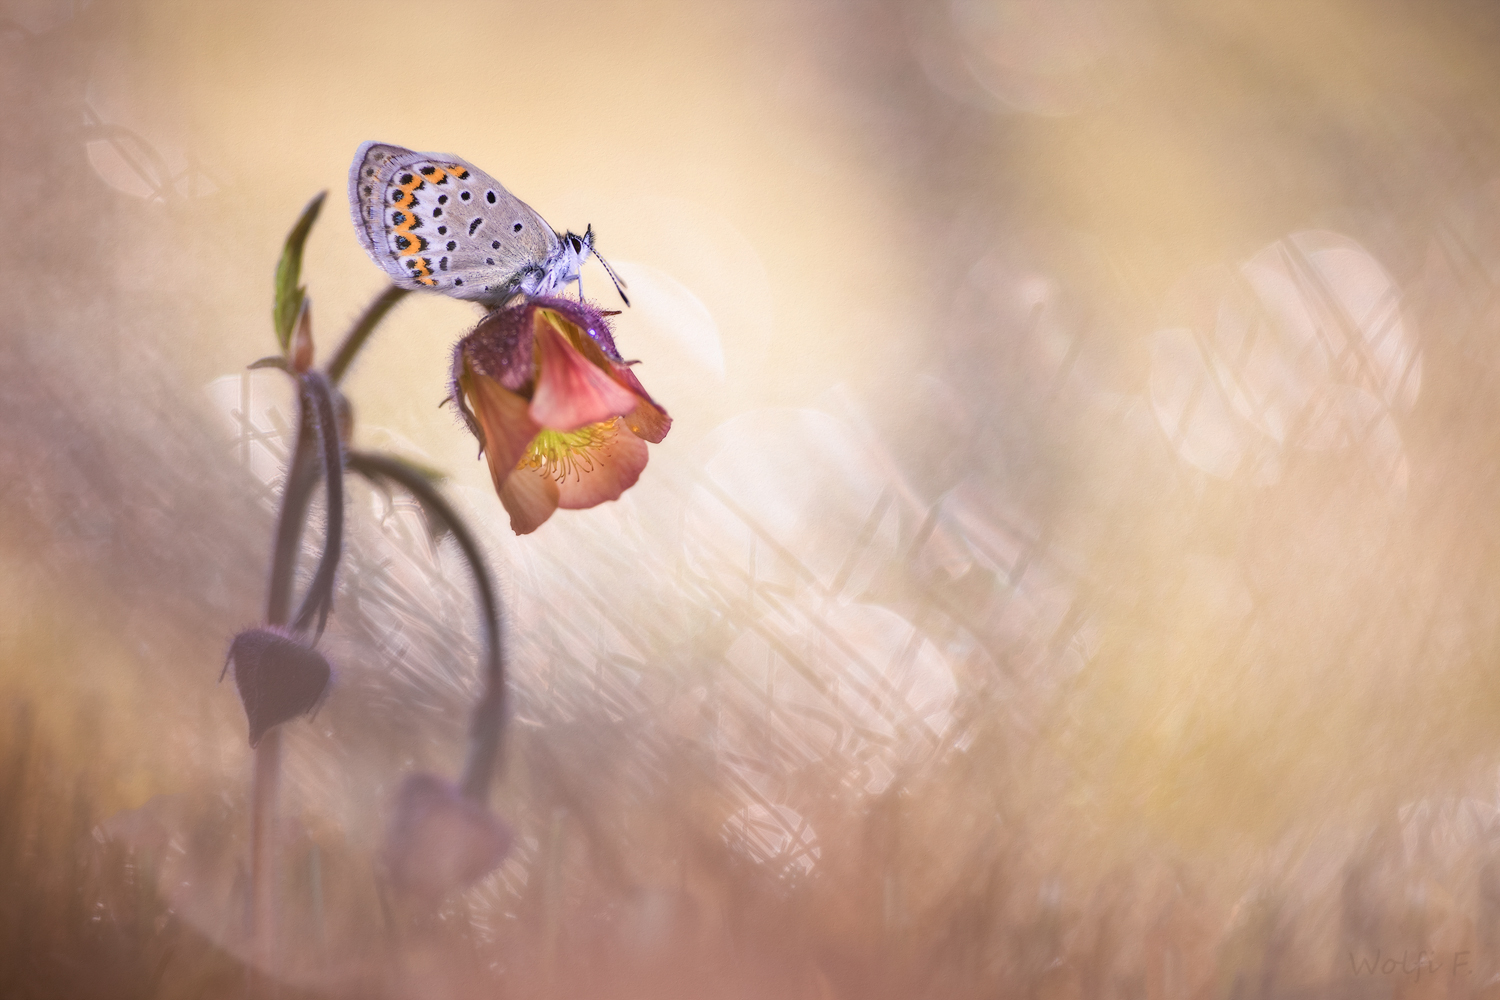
{"x":278,"y":677}
{"x":440,"y":842}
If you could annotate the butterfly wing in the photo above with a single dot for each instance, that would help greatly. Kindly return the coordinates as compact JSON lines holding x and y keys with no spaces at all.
{"x":434,"y":221}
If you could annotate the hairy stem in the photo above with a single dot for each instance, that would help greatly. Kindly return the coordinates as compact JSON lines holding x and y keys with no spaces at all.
{"x":487,"y":723}
{"x":319,"y":597}
{"x":264,"y":787}
{"x":296,"y":493}
{"x":360,"y":332}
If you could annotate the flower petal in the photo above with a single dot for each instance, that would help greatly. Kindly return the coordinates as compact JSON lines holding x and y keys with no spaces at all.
{"x":612,"y":469}
{"x":570,"y":391}
{"x":530,"y":496}
{"x":505,"y":421}
{"x":589,"y":321}
{"x":648,"y":420}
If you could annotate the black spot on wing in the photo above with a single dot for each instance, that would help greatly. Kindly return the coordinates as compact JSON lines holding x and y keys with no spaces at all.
{"x":474,"y":225}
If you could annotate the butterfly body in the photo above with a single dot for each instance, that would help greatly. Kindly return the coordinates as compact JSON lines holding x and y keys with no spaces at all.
{"x":433,"y":221}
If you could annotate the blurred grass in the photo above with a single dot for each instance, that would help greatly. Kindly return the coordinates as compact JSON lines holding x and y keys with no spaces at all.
{"x":83,"y":917}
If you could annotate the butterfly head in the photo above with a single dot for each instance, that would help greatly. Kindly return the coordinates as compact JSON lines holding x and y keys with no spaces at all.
{"x":561,"y":267}
{"x":564,"y":265}
{"x":583,"y":246}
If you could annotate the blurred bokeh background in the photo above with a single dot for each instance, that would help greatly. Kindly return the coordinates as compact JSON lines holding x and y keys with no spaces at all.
{"x":1072,"y":571}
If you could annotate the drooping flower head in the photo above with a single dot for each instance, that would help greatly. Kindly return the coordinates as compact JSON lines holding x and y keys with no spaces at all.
{"x":561,"y":417}
{"x":439,"y":842}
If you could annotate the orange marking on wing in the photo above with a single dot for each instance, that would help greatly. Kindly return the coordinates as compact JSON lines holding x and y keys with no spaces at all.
{"x":415,"y":244}
{"x":405,"y":229}
{"x":422,"y":273}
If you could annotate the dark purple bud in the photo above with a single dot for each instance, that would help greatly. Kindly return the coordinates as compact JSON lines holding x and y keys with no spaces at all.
{"x":279,"y":678}
{"x":440,"y":842}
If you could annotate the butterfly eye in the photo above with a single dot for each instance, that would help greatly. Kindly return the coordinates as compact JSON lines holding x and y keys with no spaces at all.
{"x":576,"y":243}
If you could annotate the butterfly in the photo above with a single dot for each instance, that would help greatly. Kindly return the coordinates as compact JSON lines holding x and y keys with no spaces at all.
{"x":434,"y":221}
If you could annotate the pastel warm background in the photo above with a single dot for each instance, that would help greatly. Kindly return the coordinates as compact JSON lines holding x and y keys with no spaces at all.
{"x":1072,"y":571}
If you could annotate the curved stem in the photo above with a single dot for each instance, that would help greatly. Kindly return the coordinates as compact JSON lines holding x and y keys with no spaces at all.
{"x":338,"y":365}
{"x":487,"y":724}
{"x":319,"y":597}
{"x":296,"y":493}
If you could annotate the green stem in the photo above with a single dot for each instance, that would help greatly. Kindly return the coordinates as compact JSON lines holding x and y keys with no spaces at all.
{"x":360,"y":332}
{"x":319,"y":597}
{"x":296,"y":494}
{"x":486,"y":727}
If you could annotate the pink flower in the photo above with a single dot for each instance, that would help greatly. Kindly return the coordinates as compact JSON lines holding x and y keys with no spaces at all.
{"x":561,"y":417}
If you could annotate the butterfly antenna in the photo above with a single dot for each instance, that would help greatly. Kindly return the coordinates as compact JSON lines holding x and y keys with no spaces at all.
{"x":619,"y":285}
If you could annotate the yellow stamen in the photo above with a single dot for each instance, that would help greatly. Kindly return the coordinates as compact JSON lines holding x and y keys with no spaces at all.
{"x":569,"y":453}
